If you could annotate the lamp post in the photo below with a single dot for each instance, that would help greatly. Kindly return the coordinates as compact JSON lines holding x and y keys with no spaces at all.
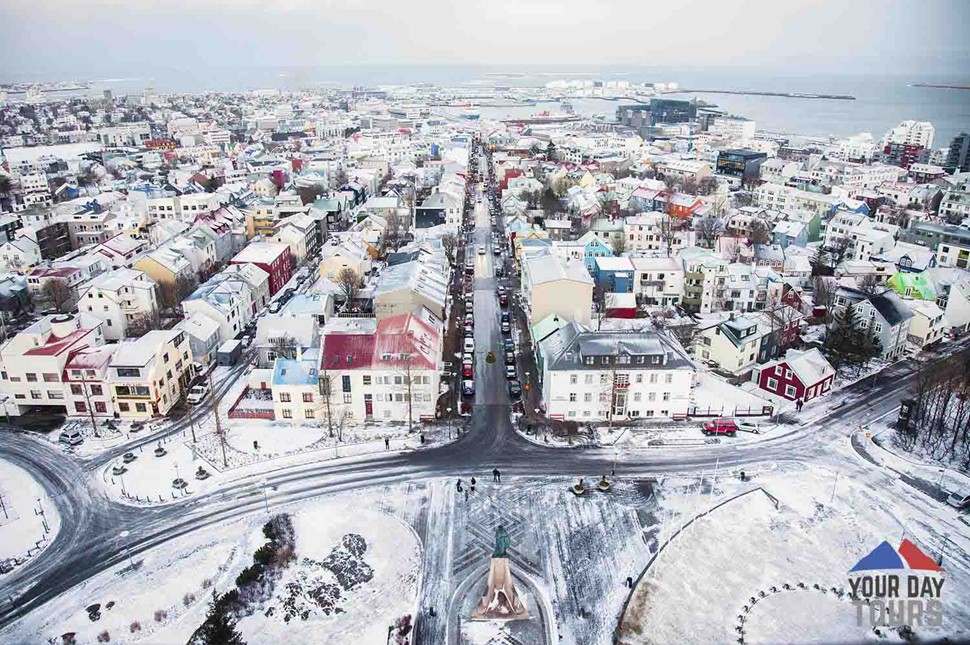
{"x":449,"y":422}
{"x":124,"y":540}
{"x":263,"y":482}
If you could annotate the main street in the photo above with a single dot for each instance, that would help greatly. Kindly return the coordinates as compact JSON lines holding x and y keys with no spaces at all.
{"x":88,"y":542}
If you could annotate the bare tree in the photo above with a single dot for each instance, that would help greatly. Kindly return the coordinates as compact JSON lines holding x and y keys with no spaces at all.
{"x":870,"y":284}
{"x":404,"y":380}
{"x":619,"y":244}
{"x":349,"y":283}
{"x":708,"y":229}
{"x":599,"y":304}
{"x":395,"y":230}
{"x":326,"y":385}
{"x":59,"y":294}
{"x":706,"y":186}
{"x":760,"y":232}
{"x":173,"y":293}
{"x":283,"y":346}
{"x":142,"y":323}
{"x":449,"y":243}
{"x":823,"y":295}
{"x":743,"y":198}
{"x":668,"y":230}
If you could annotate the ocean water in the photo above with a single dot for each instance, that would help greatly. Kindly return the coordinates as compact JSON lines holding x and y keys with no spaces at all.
{"x":881,"y":100}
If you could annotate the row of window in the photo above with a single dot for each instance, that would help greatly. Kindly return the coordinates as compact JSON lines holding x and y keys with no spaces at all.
{"x":604,"y":397}
{"x":572,"y":414}
{"x":620,"y":378}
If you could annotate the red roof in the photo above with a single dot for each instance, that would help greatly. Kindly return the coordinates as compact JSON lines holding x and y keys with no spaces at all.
{"x":56,"y":345}
{"x":396,"y":335}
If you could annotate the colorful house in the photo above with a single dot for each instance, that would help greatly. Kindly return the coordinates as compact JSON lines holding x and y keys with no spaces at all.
{"x":912,"y":285}
{"x":798,"y":375}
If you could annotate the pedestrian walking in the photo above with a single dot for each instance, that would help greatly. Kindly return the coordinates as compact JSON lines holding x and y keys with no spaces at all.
{"x":387,"y":443}
{"x":496,"y":475}
{"x":629,"y":582}
{"x":473,"y":484}
{"x":798,"y":405}
{"x":466,"y":494}
{"x":459,"y":486}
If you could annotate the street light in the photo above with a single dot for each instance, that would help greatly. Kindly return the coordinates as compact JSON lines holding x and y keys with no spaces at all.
{"x":124,"y":540}
{"x":449,"y":422}
{"x":264,"y":483}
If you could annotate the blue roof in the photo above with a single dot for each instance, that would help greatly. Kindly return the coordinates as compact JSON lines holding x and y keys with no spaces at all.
{"x":303,"y":371}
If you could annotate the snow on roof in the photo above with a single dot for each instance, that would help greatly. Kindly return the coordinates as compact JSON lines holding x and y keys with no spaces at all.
{"x":302,"y":329}
{"x":300,"y":371}
{"x":119,"y":278}
{"x":550,"y":268}
{"x":139,"y":352}
{"x":200,"y":326}
{"x":261,"y":252}
{"x":809,"y":365}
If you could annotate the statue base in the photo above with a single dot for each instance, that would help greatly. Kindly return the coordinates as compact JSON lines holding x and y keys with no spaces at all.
{"x":500,"y":601}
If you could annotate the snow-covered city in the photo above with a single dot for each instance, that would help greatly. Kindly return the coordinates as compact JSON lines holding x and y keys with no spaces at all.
{"x":491,"y":351}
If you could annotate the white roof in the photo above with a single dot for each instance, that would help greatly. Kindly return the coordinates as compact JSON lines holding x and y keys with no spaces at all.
{"x":544,"y":268}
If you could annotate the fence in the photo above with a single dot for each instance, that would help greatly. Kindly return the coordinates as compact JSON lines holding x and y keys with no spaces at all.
{"x":736,"y":411}
{"x":235,"y":412}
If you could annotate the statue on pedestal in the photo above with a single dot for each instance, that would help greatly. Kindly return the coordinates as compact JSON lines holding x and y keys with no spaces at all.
{"x":500,"y":600}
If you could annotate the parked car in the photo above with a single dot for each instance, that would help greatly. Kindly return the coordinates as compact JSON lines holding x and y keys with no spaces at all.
{"x":71,"y":437}
{"x":468,"y":387}
{"x":506,"y":327}
{"x":720,"y":426}
{"x":745,"y":425}
{"x":497,"y":250}
{"x":466,"y":370}
{"x":503,"y":300}
{"x":506,"y":317}
{"x":469,"y":344}
{"x":500,"y":290}
{"x":469,"y":318}
{"x":197,"y":393}
{"x":499,"y":271}
{"x":469,"y":306}
{"x":959,"y":500}
{"x":509,"y":345}
{"x":510,"y":358}
{"x":510,"y":372}
{"x":515,"y":390}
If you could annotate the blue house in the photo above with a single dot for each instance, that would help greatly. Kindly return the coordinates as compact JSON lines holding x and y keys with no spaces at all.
{"x":614,"y":274}
{"x":593,"y":248}
{"x":785,"y":233}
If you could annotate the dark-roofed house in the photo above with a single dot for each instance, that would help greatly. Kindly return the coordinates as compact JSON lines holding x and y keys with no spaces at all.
{"x":611,"y":375}
{"x":885,"y":313}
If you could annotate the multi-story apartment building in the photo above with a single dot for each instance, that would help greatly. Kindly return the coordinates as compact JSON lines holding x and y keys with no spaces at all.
{"x":182,"y":207}
{"x":149,"y":375}
{"x":866,"y":237}
{"x":658,"y":280}
{"x":34,"y":360}
{"x":125,"y":299}
{"x":270,"y":257}
{"x":595,"y":376}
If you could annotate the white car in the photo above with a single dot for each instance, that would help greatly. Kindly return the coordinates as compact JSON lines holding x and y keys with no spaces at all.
{"x":748,"y":426}
{"x":958,"y":501}
{"x":469,"y":344}
{"x":197,"y":393}
{"x":481,"y":250}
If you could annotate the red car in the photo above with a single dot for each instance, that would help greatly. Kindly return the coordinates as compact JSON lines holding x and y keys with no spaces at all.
{"x":720,"y":426}
{"x":466,"y":370}
{"x":503,"y":300}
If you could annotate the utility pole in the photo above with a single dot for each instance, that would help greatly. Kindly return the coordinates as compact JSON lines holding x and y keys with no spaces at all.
{"x":87,"y":402}
{"x":215,"y":413}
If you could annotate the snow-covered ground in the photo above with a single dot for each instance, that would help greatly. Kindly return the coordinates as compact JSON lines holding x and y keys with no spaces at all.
{"x":28,"y":519}
{"x":167,"y":591}
{"x":713,"y":395}
{"x":702,"y":581}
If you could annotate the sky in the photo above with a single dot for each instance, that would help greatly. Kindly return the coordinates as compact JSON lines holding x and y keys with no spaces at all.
{"x":78,"y":38}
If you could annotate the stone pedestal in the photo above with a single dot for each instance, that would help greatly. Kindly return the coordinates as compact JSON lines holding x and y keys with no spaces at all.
{"x":500,"y":601}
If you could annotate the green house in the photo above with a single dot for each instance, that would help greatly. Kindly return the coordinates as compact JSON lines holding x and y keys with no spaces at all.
{"x":912,"y":285}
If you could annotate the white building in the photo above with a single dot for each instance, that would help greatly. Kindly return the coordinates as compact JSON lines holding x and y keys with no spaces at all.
{"x":125,"y":299}
{"x":149,"y":375}
{"x":917,"y":133}
{"x":596,"y":376}
{"x":182,"y":207}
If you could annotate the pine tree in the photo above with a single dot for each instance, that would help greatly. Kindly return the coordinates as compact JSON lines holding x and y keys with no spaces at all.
{"x":219,"y":627}
{"x":841,"y":335}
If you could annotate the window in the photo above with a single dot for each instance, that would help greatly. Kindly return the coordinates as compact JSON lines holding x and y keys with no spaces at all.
{"x":637,"y":396}
{"x":573,"y":379}
{"x":308,"y":413}
{"x":790,"y":391}
{"x":604,"y":379}
{"x":99,"y":406}
{"x":877,"y":328}
{"x":284,"y":397}
{"x":589,"y":379}
{"x":141,"y":407}
{"x":128,"y":372}
{"x":772,"y":384}
{"x":651,"y":396}
{"x":79,"y":406}
{"x":653,"y":378}
{"x":31,"y":377}
{"x":778,"y":370}
{"x":589,"y":360}
{"x":287,"y":413}
{"x":349,"y":398}
{"x":587,"y":398}
{"x":669,"y":378}
{"x":124,"y":407}
{"x":639,"y":378}
{"x":366,"y":379}
{"x":75,"y":388}
{"x":787,"y":373}
{"x":96,"y":390}
{"x":666,"y":396}
{"x":346,"y":383}
{"x":308,"y":397}
{"x":50,"y":378}
{"x":572,"y":397}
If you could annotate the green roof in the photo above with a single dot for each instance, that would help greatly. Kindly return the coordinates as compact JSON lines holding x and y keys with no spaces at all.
{"x":916,"y":283}
{"x":548,"y":325}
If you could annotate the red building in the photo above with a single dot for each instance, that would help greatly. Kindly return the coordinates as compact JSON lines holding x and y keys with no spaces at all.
{"x":272,"y":258}
{"x":797,"y":375}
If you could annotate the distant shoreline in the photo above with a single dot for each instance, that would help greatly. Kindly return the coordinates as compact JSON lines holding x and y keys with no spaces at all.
{"x":941,"y":86}
{"x":786,"y":95}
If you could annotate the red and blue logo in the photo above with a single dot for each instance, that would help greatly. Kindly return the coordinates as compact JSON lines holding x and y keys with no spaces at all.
{"x":907,"y":557}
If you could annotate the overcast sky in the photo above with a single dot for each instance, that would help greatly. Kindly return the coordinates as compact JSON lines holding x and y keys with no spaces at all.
{"x":94,"y":38}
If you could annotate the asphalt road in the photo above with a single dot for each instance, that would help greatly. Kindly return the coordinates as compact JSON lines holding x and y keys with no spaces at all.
{"x":87,"y":542}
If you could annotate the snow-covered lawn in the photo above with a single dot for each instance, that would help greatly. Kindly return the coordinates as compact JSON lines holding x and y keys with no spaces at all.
{"x":28,"y":518}
{"x":168,"y":590}
{"x":356,"y":572}
{"x":702,"y":581}
{"x":715,"y":395}
{"x":149,"y":479}
{"x":162,"y":600}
